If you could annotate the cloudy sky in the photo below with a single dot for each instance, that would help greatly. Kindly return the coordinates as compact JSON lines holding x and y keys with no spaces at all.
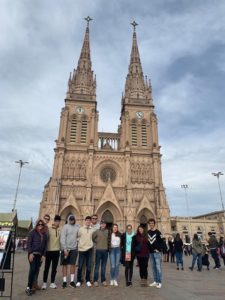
{"x":182,"y":48}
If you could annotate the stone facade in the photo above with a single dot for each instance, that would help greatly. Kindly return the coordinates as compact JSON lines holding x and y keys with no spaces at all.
{"x":116,"y":175}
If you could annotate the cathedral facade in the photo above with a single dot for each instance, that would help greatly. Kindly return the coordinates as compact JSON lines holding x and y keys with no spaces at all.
{"x":115,"y":175}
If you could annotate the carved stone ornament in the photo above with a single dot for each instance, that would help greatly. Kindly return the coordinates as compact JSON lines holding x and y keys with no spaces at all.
{"x":108,"y":174}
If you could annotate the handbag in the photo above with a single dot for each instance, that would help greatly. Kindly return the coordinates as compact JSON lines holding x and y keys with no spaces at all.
{"x":127,"y":256}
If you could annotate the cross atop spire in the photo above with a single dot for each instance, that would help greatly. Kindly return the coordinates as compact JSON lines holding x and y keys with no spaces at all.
{"x":88,"y":19}
{"x":134,"y":24}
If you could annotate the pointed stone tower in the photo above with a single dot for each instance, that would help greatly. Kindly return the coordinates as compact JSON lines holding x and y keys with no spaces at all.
{"x":116,"y":175}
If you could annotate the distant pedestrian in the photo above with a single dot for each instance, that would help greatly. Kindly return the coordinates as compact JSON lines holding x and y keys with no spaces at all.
{"x":53,"y":252}
{"x":222,"y":248}
{"x":197,"y":249}
{"x":128,"y":254}
{"x":213,"y":246}
{"x":36,"y":246}
{"x":205,"y":257}
{"x":171,"y":249}
{"x":155,"y":249}
{"x":178,"y":249}
{"x":115,"y":254}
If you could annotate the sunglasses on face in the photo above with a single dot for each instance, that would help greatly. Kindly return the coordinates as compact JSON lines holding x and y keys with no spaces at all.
{"x":94,"y":218}
{"x":40,"y":224}
{"x":47,"y":219}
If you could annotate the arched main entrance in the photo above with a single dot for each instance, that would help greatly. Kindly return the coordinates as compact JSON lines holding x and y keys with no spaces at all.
{"x":108,"y":218}
{"x":143,"y":221}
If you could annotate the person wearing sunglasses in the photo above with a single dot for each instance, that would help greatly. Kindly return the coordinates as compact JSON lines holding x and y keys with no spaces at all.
{"x":36,"y":246}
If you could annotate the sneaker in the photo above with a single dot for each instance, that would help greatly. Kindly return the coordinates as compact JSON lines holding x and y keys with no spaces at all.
{"x":64,"y":285}
{"x":104,"y":283}
{"x":78,"y":284}
{"x":115,"y":283}
{"x":28,"y":291}
{"x":111,"y":282}
{"x":153,"y":284}
{"x":96,"y":283}
{"x":36,"y":287}
{"x":53,"y":285}
{"x":72,"y":284}
{"x":88,"y":284}
{"x":44,"y":286}
{"x":158,"y":285}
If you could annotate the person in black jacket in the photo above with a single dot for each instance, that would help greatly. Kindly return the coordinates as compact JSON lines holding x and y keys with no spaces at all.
{"x":155,"y":249}
{"x":36,"y":246}
{"x":128,"y":254}
{"x":178,"y":249}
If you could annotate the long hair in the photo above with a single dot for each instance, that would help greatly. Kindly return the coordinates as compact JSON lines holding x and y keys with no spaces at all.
{"x":195,"y":237}
{"x":43,"y":229}
{"x":145,"y":234}
{"x":117,"y":233}
{"x":177,"y":237}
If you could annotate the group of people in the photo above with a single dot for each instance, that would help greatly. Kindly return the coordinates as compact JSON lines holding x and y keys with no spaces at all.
{"x":91,"y":245}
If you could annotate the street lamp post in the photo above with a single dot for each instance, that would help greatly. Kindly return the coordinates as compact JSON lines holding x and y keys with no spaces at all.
{"x":185,"y":187}
{"x":218,"y":174}
{"x":21,"y":164}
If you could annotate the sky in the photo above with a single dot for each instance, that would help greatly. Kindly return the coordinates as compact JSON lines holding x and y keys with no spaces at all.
{"x":182,"y":50}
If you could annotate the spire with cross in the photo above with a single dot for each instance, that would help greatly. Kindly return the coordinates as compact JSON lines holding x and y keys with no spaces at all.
{"x":88,"y":19}
{"x":134,"y":24}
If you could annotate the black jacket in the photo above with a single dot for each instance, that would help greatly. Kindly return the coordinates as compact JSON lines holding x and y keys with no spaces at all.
{"x":155,"y":241}
{"x":123,"y":248}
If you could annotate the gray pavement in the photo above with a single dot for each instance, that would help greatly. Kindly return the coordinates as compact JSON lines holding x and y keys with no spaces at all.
{"x":177,"y":285}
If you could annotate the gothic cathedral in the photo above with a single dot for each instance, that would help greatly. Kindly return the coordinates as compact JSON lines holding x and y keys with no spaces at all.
{"x":116,"y":175}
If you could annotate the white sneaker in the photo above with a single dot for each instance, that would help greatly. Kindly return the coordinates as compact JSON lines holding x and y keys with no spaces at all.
{"x":115,"y":283}
{"x":111,"y":282}
{"x":44,"y":286}
{"x":78,"y":284}
{"x":88,"y":284}
{"x":153,"y":284}
{"x":158,"y":285}
{"x":53,"y":285}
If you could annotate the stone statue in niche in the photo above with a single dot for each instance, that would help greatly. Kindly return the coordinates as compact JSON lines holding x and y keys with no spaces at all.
{"x":83,"y":170}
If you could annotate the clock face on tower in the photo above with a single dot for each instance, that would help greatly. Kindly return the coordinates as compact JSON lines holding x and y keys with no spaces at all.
{"x":80,"y":110}
{"x":139,"y":114}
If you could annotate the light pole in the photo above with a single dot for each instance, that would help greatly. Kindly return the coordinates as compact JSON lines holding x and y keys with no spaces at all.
{"x":185,"y":187}
{"x":218,"y":174}
{"x":21,"y":164}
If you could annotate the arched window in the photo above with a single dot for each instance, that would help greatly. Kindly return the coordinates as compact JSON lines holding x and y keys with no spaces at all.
{"x":134,"y":134}
{"x":83,"y":134}
{"x":143,"y":134}
{"x":73,"y":130}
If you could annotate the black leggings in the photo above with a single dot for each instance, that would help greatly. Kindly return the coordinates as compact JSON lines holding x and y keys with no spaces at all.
{"x":34,"y":268}
{"x":51,"y":257}
{"x":129,"y":270}
{"x":143,"y":267}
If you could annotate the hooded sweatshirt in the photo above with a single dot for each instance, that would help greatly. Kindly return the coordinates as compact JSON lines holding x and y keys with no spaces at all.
{"x":68,"y":238}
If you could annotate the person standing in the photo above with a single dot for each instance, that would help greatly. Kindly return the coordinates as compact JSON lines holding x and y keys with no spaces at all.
{"x":213,"y":247}
{"x":115,"y":254}
{"x":171,"y":249}
{"x":68,"y":241}
{"x":52,"y":254}
{"x":155,"y":249}
{"x":36,"y":246}
{"x":46,"y":221}
{"x":141,"y":247}
{"x":100,"y":238}
{"x":197,"y":249}
{"x":95,"y":225}
{"x":178,"y":249}
{"x":222,"y":248}
{"x":85,"y":246}
{"x":128,"y":254}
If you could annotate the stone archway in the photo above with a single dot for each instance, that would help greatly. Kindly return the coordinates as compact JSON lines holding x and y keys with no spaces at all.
{"x":108,"y":218}
{"x":143,"y":217}
{"x":110,"y":211}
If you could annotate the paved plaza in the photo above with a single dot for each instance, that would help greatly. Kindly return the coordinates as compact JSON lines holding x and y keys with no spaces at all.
{"x":177,"y":285}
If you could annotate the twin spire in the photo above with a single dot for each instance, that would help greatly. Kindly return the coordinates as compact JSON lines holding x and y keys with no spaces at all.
{"x":82,"y":83}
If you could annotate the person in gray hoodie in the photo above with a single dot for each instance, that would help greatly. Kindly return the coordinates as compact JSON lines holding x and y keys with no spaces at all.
{"x":68,"y":241}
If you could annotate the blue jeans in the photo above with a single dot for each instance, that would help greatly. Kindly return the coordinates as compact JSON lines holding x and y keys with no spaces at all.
{"x":156,"y":262}
{"x":87,"y":256}
{"x":101,"y":257}
{"x":114,"y":257}
{"x":34,"y":269}
{"x":197,"y":257}
{"x":179,"y":258}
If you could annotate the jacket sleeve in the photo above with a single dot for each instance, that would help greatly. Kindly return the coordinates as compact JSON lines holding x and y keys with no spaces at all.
{"x":94,"y":236}
{"x":45,"y":245}
{"x":63,"y":238}
{"x":30,"y":242}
